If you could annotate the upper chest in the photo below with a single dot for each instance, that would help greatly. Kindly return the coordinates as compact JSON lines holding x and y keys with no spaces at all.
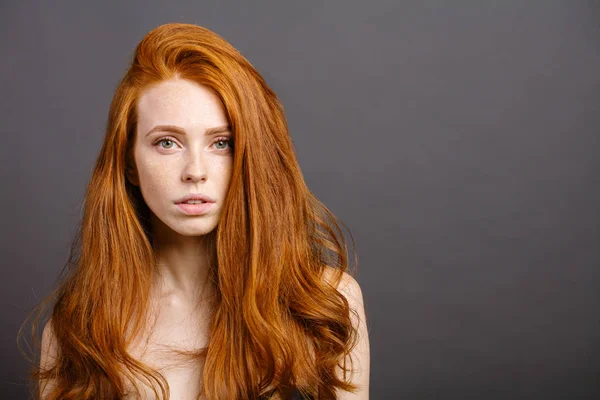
{"x":171,"y":328}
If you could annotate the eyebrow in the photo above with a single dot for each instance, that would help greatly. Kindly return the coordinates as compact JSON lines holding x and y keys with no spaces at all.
{"x":177,"y":129}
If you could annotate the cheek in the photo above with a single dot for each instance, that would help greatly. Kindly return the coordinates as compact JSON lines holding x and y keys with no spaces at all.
{"x":154,"y":177}
{"x":226,"y":170}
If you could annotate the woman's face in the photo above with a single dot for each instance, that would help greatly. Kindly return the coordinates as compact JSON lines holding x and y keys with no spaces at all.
{"x":192,"y":153}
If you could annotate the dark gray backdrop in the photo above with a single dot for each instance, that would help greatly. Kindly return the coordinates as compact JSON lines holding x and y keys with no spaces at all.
{"x":458,"y":141}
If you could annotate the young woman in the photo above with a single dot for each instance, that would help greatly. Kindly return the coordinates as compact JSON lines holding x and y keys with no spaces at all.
{"x":203,"y":266}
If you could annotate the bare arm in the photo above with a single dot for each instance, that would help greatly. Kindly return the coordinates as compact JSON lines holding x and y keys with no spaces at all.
{"x":350,"y":288}
{"x":47,"y":357}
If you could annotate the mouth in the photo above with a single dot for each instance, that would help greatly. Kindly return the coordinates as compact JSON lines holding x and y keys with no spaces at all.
{"x":194,"y":198}
{"x":195,"y":207}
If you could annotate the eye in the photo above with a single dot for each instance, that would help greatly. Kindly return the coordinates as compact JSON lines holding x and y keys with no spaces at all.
{"x":168,"y":140}
{"x":167,"y":143}
{"x":224,"y":140}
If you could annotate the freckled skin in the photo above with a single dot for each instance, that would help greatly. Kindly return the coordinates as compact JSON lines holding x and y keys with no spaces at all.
{"x":182,"y":164}
{"x":166,"y":171}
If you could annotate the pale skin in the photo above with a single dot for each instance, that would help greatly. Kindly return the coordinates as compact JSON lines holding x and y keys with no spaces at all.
{"x":171,"y":163}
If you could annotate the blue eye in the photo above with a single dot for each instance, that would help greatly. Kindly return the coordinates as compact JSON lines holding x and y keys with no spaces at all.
{"x":164,"y":140}
{"x":224,"y":140}
{"x":169,"y":142}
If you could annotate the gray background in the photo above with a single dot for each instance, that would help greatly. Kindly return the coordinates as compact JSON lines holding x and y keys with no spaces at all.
{"x":458,"y":141}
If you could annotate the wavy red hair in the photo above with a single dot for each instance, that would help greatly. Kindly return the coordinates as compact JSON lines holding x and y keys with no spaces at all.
{"x":279,"y":252}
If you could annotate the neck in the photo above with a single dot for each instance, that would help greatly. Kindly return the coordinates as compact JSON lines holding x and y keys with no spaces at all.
{"x":182,"y":266}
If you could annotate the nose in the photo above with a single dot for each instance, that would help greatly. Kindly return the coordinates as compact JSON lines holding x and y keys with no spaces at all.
{"x":194,"y":169}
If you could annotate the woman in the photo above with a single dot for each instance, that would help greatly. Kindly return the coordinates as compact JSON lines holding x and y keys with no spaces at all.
{"x":203,"y":266}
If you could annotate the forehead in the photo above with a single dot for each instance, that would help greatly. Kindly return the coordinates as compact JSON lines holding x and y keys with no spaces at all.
{"x":179,"y":102}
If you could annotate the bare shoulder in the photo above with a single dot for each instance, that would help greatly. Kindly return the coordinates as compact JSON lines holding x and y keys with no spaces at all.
{"x":49,"y":348}
{"x":347,"y":285}
{"x":360,"y":355}
{"x":49,"y":352}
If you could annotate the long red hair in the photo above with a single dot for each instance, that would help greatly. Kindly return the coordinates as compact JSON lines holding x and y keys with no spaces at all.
{"x":279,"y":324}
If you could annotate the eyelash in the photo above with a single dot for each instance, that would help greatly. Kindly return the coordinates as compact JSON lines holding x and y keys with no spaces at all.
{"x":219,"y":139}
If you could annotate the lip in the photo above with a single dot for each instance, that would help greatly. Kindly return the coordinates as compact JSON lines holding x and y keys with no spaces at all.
{"x":195,"y":196}
{"x":195,"y":209}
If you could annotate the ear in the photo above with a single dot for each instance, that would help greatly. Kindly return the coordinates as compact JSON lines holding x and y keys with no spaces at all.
{"x":132,"y":175}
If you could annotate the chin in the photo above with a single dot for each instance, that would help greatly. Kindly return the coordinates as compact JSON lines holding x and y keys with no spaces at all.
{"x":196,"y":233}
{"x":195,"y":228}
